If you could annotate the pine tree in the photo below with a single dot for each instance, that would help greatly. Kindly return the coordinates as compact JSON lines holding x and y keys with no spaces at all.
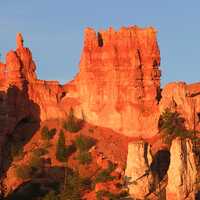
{"x":61,"y":148}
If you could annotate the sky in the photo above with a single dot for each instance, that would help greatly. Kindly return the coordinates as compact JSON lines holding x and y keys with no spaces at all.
{"x":53,"y":30}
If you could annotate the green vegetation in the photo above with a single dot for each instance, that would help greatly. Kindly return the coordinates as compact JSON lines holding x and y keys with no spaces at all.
{"x":61,"y":148}
{"x":172,"y":125}
{"x":35,"y":162}
{"x":171,"y":122}
{"x":109,"y":195}
{"x":84,"y":158}
{"x":84,"y":143}
{"x":40,"y":151}
{"x":73,"y":188}
{"x":23,"y":172}
{"x":104,"y":175}
{"x":47,"y":134}
{"x":72,"y":124}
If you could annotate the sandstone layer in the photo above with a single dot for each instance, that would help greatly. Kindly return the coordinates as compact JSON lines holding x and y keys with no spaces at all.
{"x":137,"y":172}
{"x":119,"y":79}
{"x":118,"y":85}
{"x":182,"y":173}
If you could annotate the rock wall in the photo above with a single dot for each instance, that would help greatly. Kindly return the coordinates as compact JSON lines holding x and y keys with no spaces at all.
{"x":118,"y":85}
{"x":119,"y":78}
{"x":182,"y":173}
{"x":185,"y":99}
{"x":137,"y":172}
{"x":163,"y":175}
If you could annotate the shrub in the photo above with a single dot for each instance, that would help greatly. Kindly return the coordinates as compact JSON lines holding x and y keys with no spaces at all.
{"x":47,"y":134}
{"x":40,"y":152}
{"x":84,"y":158}
{"x":104,"y":175}
{"x":109,"y":195}
{"x":170,"y":122}
{"x":172,"y":125}
{"x":84,"y":143}
{"x":23,"y":172}
{"x":73,"y":188}
{"x":70,"y":149}
{"x":86,"y":183}
{"x":61,"y":148}
{"x":72,"y":124}
{"x":35,"y":162}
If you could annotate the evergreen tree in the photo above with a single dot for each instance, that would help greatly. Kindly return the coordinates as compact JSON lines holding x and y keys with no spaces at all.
{"x":61,"y":148}
{"x":72,"y":124}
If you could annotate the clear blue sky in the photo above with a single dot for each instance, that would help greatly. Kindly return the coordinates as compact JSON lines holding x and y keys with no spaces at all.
{"x":53,"y":30}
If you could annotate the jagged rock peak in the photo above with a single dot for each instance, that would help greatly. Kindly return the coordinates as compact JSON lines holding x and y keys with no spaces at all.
{"x":120,"y":72}
{"x":19,"y":40}
{"x":143,"y":40}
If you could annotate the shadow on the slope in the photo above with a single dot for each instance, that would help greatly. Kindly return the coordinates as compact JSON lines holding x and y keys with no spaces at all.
{"x":19,"y":120}
{"x":51,"y":180}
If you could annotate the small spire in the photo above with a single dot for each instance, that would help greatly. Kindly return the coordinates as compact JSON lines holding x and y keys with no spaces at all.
{"x":19,"y":41}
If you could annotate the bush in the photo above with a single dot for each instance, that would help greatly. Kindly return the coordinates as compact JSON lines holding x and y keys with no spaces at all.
{"x":86,"y":183}
{"x":104,"y":175}
{"x":47,"y":134}
{"x":70,"y":149}
{"x":84,"y":158}
{"x":109,"y":195}
{"x":35,"y":162}
{"x":23,"y":172}
{"x":73,"y":188}
{"x":40,"y":152}
{"x":172,"y":124}
{"x":84,"y":143}
{"x":72,"y":124}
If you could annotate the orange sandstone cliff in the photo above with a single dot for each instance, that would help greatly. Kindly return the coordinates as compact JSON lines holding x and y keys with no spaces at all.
{"x":118,"y":85}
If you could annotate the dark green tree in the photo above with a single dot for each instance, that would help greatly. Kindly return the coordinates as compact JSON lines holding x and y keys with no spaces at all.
{"x":72,"y":124}
{"x":47,"y":134}
{"x":61,"y":148}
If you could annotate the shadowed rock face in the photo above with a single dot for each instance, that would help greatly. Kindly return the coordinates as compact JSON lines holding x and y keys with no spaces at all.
{"x":170,"y":175}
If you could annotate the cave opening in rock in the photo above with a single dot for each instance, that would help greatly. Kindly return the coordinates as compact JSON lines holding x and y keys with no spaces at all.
{"x":160,"y":164}
{"x":197,"y":196}
{"x":25,"y":120}
{"x":198,"y":115}
{"x":100,"y":39}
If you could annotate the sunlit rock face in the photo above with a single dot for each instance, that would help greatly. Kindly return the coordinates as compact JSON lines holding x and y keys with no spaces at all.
{"x":137,"y":171}
{"x":185,"y":99}
{"x":117,"y":86}
{"x":119,"y":78}
{"x":182,"y":173}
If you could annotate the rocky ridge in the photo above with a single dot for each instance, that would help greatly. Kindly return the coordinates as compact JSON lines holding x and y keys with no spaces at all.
{"x":118,"y":87}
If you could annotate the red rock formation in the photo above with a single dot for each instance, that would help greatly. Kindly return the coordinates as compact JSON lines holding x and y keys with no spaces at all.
{"x":119,"y":78}
{"x":117,"y":86}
